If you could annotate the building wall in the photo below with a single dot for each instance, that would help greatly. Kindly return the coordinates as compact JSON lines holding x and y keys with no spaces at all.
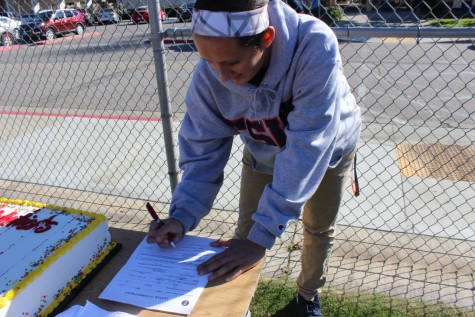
{"x":18,"y":6}
{"x":25,"y":6}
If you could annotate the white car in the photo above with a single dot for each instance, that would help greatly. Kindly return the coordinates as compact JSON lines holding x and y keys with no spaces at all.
{"x":108,"y":16}
{"x":6,"y":36}
{"x":11,"y":24}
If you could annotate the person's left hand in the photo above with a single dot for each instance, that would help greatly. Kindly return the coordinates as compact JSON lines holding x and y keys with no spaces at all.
{"x":240,"y":256}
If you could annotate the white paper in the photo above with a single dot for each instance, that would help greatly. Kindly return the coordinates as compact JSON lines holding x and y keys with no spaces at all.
{"x":90,"y":310}
{"x":71,"y":312}
{"x":163,"y":279}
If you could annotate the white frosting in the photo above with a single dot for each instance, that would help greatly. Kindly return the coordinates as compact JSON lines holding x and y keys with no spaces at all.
{"x":21,"y":248}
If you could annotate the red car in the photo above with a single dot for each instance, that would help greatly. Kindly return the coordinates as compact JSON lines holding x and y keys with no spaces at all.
{"x":50,"y":23}
{"x":141,"y":14}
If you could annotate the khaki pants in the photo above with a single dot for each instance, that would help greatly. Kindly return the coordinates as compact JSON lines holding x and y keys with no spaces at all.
{"x":319,"y":216}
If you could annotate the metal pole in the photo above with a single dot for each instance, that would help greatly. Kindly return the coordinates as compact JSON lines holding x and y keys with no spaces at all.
{"x":410,"y":32}
{"x":158,"y":46}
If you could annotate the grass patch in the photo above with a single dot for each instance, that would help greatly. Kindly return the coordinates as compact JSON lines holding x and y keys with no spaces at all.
{"x":276,"y":298}
{"x":452,"y":23}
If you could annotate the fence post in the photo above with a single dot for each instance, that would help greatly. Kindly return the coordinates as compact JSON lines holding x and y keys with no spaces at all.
{"x":158,"y":46}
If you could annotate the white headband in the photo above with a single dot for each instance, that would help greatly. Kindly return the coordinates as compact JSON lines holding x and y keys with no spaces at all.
{"x":230,"y":24}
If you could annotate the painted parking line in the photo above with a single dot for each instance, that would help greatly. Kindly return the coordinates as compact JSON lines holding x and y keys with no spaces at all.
{"x":68,"y":38}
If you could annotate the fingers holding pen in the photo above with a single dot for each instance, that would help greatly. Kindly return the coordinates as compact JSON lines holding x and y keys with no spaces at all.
{"x":152,"y":228}
{"x":164,"y":233}
{"x":168,"y":232}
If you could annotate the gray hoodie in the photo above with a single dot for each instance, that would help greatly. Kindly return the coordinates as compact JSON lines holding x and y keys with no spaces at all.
{"x":298,"y":122}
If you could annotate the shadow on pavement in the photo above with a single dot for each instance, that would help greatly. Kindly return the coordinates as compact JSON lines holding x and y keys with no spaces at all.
{"x":183,"y":48}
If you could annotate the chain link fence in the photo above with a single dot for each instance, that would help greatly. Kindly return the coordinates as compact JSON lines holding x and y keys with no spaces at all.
{"x":89,"y":121}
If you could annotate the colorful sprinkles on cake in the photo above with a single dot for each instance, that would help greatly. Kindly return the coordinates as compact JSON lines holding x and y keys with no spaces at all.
{"x":87,"y":223}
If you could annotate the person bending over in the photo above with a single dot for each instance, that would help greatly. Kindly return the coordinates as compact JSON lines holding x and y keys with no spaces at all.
{"x":275,"y":78}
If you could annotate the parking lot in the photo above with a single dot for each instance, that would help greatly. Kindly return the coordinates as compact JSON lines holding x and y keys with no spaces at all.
{"x":110,"y":58}
{"x":107,"y":32}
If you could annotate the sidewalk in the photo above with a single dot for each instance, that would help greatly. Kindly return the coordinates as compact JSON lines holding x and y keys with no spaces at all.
{"x":382,"y":245}
{"x":357,"y":16}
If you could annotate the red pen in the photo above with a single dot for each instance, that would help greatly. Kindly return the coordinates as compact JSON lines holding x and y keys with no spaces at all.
{"x":160,"y":223}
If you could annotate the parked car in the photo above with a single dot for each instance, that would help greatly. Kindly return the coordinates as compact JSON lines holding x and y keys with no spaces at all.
{"x":89,"y":16}
{"x":127,"y":14}
{"x":6,"y":36}
{"x":25,"y":18}
{"x":50,"y":23}
{"x":9,"y":14}
{"x":11,"y":23}
{"x":141,"y":14}
{"x":185,"y":11}
{"x":108,"y":15}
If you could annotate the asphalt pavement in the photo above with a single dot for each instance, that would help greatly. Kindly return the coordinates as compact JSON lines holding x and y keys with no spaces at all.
{"x":402,"y":236}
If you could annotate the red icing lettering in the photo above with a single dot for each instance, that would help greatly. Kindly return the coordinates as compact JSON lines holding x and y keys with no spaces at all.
{"x":6,"y":219}
{"x":45,"y":225}
{"x":30,"y":221}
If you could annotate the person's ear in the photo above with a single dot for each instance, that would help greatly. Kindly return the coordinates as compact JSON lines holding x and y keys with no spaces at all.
{"x":268,"y":36}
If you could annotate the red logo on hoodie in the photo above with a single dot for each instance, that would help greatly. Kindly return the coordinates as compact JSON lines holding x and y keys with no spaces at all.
{"x":270,"y":131}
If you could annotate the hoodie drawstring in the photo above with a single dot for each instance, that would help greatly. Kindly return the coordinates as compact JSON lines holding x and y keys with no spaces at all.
{"x":269,"y":94}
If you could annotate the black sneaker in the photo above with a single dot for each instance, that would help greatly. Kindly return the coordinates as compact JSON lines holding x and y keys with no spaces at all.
{"x":307,"y":309}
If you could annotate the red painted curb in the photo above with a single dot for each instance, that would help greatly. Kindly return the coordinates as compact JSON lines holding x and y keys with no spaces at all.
{"x":9,"y":48}
{"x":69,"y":38}
{"x":81,"y":116}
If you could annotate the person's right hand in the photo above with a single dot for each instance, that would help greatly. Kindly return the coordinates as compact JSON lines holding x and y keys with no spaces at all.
{"x":162,"y":235}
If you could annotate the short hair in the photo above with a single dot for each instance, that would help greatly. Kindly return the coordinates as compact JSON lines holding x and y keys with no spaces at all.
{"x":230,"y":5}
{"x":251,"y":40}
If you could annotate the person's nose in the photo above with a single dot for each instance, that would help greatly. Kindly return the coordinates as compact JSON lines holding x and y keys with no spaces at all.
{"x":223,"y":72}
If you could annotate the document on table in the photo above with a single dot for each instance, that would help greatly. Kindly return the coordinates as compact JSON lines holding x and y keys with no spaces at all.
{"x":162,"y":279}
{"x":89,"y":310}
